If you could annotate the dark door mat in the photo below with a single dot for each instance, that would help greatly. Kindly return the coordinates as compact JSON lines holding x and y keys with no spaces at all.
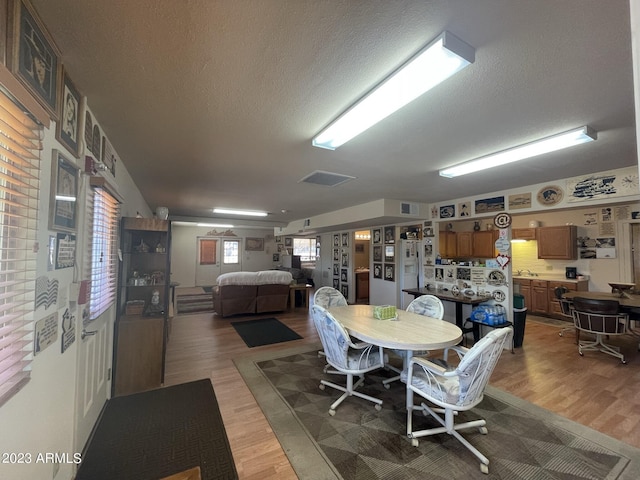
{"x":155,"y":434}
{"x":264,"y":331}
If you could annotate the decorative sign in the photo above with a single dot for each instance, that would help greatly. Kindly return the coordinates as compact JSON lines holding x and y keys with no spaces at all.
{"x":46,"y":291}
{"x":68,"y":330}
{"x":477,"y":276}
{"x":65,"y":250}
{"x":550,"y":195}
{"x":503,"y":245}
{"x":503,"y":260}
{"x":502,"y":220}
{"x":46,"y":333}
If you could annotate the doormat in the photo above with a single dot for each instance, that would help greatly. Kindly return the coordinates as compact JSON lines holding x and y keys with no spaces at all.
{"x":264,"y":331}
{"x":158,"y":433}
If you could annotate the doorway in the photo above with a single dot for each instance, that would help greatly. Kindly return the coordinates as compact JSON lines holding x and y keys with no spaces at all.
{"x":215,"y":256}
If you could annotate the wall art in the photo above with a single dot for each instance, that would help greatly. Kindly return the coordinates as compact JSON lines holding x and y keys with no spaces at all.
{"x":64,"y":191}
{"x":68,"y":127}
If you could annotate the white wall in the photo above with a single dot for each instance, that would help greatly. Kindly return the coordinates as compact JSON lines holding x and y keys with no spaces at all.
{"x":40,"y":417}
{"x":184,"y":249}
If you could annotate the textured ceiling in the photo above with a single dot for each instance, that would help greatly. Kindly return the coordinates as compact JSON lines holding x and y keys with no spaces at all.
{"x":214,"y":102}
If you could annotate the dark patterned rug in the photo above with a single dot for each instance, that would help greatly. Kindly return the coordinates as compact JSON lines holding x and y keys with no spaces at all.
{"x":524,"y":441}
{"x":194,"y":303}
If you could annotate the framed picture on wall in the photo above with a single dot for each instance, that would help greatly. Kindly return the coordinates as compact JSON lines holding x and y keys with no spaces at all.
{"x":390,"y":272}
{"x":68,"y":127}
{"x":344,"y":289}
{"x":389,"y":234}
{"x":389,"y":253}
{"x":345,"y":239}
{"x":377,"y":270}
{"x":64,"y":191}
{"x":288,"y":242}
{"x":377,"y":253}
{"x":377,"y":235}
{"x":336,"y":283}
{"x":254,"y":244}
{"x":35,"y":59}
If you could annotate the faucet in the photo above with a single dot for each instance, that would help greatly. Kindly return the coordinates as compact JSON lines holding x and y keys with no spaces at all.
{"x":518,"y":272}
{"x":531,"y":274}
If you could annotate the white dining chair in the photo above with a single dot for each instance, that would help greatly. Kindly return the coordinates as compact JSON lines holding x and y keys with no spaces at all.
{"x":428,"y":305}
{"x":346,"y":357}
{"x":453,"y":389}
{"x":328,"y":297}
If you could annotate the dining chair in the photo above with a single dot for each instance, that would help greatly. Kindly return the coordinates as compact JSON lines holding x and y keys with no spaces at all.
{"x":428,"y":305}
{"x":328,"y":297}
{"x":601,"y":318}
{"x":453,"y":389}
{"x":566,"y":307}
{"x":346,"y":357}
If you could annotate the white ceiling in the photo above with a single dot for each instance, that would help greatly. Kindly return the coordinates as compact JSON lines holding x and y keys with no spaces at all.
{"x":214,"y":102}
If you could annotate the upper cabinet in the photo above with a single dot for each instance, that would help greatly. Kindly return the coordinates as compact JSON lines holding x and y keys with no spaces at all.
{"x":468,"y":244}
{"x":558,"y":243}
{"x":448,"y":245}
{"x":484,"y":244}
{"x":523,"y":234}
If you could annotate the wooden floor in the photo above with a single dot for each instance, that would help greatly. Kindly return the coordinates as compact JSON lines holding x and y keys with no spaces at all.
{"x":595,"y":390}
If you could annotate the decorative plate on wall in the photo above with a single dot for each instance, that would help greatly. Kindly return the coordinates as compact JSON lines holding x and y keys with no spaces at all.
{"x":550,"y":195}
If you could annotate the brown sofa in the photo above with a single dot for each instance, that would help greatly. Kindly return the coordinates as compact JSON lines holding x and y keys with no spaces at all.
{"x":251,"y":292}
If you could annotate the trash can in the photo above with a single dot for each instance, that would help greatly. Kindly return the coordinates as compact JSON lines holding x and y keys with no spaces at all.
{"x":519,"y":318}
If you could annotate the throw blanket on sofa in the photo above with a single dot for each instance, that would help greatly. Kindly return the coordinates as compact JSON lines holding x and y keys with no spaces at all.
{"x":264,"y":277}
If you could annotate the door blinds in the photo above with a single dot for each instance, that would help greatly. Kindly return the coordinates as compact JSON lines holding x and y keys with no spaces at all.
{"x":20,"y":146}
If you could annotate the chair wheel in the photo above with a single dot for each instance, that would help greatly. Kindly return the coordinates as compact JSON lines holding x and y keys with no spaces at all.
{"x":378,"y":407}
{"x":387,"y":386}
{"x":624,"y":362}
{"x":332,"y":412}
{"x":484,"y":468}
{"x":414,"y":442}
{"x":483,"y":430}
{"x":322,"y":386}
{"x":581,"y":354}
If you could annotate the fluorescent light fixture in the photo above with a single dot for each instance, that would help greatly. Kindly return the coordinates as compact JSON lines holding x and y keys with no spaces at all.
{"x":230,"y":211}
{"x":65,"y":198}
{"x":219,"y":225}
{"x":545,"y":145}
{"x":436,"y":62}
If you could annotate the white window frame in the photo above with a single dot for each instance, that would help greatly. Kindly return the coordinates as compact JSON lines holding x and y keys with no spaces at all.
{"x":298,"y":249}
{"x":229,"y":260}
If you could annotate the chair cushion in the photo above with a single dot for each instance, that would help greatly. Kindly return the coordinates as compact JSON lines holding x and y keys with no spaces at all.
{"x":444,"y":389}
{"x":359,"y":360}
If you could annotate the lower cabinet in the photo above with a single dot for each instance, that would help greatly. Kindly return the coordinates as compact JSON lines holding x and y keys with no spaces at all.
{"x":539,"y":295}
{"x":554,"y":304}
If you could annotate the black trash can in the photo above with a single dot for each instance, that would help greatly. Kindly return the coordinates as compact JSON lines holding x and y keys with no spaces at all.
{"x":519,"y":319}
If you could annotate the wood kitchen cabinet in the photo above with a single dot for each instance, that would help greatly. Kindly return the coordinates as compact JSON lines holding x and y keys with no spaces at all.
{"x":554,"y":305}
{"x":464,"y":244}
{"x":539,"y":296}
{"x":362,"y":286}
{"x":523,"y":234}
{"x":558,"y":243}
{"x":448,"y":247}
{"x":484,"y":244}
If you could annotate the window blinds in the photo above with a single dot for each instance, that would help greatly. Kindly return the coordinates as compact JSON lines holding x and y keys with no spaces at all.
{"x":103,"y":212}
{"x":20,"y":146}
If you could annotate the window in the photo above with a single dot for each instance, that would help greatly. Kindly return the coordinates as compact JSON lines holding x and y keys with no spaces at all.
{"x":231,"y":251}
{"x":103,"y":241}
{"x":306,"y":248}
{"x":208,"y":251}
{"x":20,"y":147}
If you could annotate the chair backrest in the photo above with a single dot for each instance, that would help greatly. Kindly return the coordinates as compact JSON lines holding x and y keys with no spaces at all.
{"x":560,"y":291}
{"x":334,"y":338}
{"x":599,"y":316}
{"x":566,"y":307}
{"x":428,"y":305}
{"x":478,"y":363}
{"x":329,"y":297}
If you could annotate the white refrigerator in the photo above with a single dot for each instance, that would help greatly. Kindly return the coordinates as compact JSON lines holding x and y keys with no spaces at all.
{"x":409,"y":270}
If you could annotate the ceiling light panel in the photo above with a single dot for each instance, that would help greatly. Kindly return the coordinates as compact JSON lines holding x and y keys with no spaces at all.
{"x":231,"y":211}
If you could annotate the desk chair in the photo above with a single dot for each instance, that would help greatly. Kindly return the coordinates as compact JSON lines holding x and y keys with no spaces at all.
{"x":428,"y":305}
{"x":346,"y":357}
{"x":566,"y":307}
{"x":601,"y":318}
{"x":454,"y":389}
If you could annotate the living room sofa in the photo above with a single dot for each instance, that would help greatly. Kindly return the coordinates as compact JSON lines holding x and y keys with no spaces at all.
{"x":251,"y":292}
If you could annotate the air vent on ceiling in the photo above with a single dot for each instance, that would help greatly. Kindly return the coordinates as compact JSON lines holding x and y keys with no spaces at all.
{"x":327,"y":179}
{"x":409,"y":208}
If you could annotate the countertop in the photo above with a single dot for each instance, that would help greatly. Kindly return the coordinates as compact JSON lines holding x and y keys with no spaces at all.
{"x":550,"y":278}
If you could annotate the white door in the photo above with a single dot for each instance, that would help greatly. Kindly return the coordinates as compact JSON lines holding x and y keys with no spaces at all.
{"x":93,"y":383}
{"x":231,"y":255}
{"x":207,"y":261}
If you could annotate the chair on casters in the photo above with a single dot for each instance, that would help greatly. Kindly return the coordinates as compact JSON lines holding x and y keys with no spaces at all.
{"x":427,"y":305}
{"x":348,"y":358}
{"x":601,"y":318}
{"x":328,"y":297}
{"x":455,"y":389}
{"x":566,"y":307}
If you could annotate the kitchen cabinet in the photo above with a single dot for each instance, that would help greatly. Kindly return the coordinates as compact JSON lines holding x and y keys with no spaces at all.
{"x":362,"y":285}
{"x":554,"y":305}
{"x":143,"y":304}
{"x":558,"y":243}
{"x":448,"y":247}
{"x":523,"y":234}
{"x":539,"y":296}
{"x":484,"y":244}
{"x":525,"y":290}
{"x":464,"y":244}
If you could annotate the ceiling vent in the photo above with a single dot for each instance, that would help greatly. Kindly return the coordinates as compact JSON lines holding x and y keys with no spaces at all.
{"x":327,"y":179}
{"x":409,"y":208}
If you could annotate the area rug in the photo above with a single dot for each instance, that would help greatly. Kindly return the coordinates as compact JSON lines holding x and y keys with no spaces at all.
{"x":524,"y":441}
{"x":194,"y":300}
{"x":264,"y":331}
{"x":158,"y":433}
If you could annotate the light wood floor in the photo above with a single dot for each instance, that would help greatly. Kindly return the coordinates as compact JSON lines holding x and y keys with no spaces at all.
{"x":595,"y":390}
